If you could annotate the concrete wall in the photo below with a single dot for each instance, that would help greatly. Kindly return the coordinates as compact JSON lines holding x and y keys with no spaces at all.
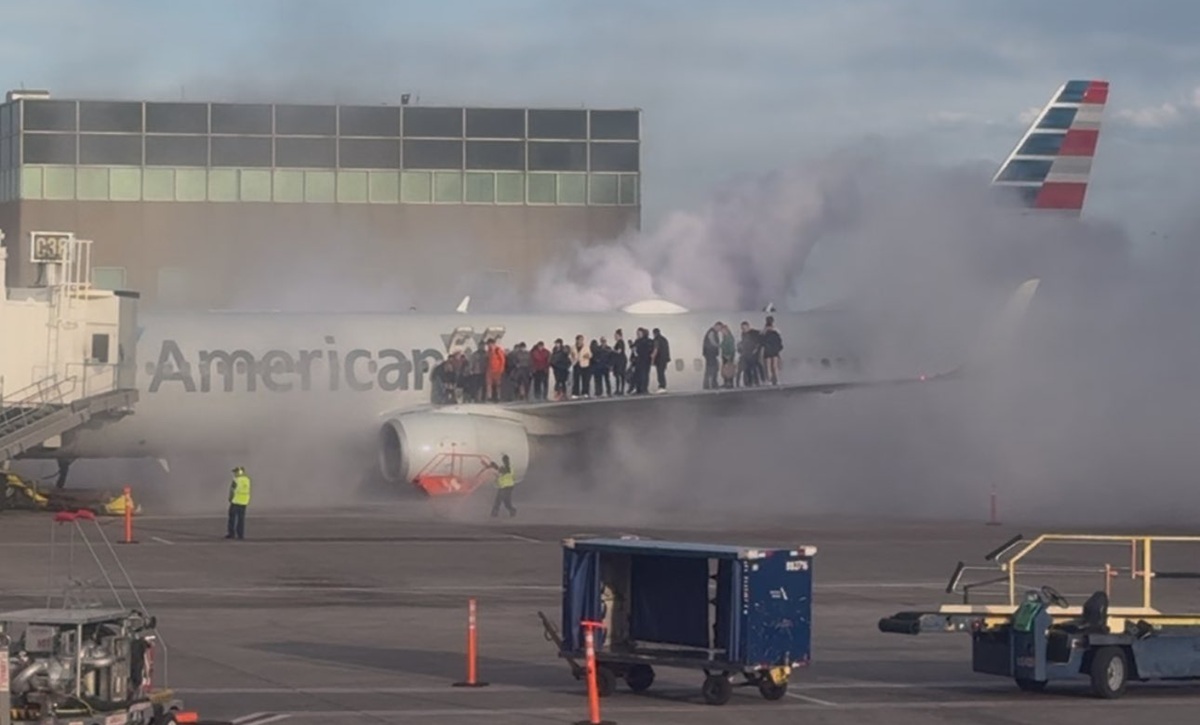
{"x":256,"y":255}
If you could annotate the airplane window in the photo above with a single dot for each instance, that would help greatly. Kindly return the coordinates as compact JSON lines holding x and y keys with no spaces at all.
{"x":679,"y":365}
{"x":841,"y":362}
{"x":824,"y":362}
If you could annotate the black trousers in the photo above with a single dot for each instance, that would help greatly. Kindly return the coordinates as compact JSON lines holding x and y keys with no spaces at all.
{"x":661,"y":368}
{"x":237,"y":521}
{"x":503,"y":496}
{"x":712,"y":368}
{"x":620,"y":374}
{"x":540,"y":380}
{"x":603,"y":382}
{"x":641,"y":373}
{"x":560,"y":379}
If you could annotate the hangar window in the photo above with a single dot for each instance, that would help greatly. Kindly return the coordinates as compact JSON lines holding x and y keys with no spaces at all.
{"x":542,"y":189}
{"x":320,"y":153}
{"x":615,"y":125}
{"x":416,"y":187}
{"x":288,"y":186}
{"x":352,"y":186}
{"x":254,"y":185}
{"x":320,"y":186}
{"x":123,"y":150}
{"x":109,"y":278}
{"x":31,"y":182}
{"x":305,"y":120}
{"x":91,"y":184}
{"x":383,"y":187}
{"x":510,"y":188}
{"x":125,"y":184}
{"x":609,"y":156}
{"x":495,"y":123}
{"x":433,"y":122}
{"x":433,"y":154}
{"x":191,"y":184}
{"x":448,"y":187}
{"x":177,"y":151}
{"x":240,"y":151}
{"x":50,"y":148}
{"x":177,"y":118}
{"x":241,"y":118}
{"x":48,"y":115}
{"x":628,"y":194}
{"x":369,"y":121}
{"x":222,"y":185}
{"x":60,"y":184}
{"x":558,"y":124}
{"x":158,"y":185}
{"x":500,"y":155}
{"x":572,"y":188}
{"x":481,"y":188}
{"x":110,"y":116}
{"x":368,"y":153}
{"x":557,"y":156}
{"x":603,"y":188}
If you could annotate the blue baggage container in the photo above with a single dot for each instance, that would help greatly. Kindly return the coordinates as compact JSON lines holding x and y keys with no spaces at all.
{"x":743,"y":615}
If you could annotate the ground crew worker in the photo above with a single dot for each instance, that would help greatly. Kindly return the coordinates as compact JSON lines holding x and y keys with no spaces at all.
{"x":504,"y":486}
{"x":239,"y":499}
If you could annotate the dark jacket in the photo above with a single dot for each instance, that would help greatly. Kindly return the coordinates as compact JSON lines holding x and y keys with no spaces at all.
{"x":662,"y":348}
{"x":772,"y":343}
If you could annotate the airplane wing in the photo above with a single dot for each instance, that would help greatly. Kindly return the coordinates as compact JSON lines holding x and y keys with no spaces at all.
{"x":570,"y":415}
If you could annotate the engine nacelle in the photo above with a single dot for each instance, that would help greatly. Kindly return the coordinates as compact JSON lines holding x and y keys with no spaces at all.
{"x":410,"y":441}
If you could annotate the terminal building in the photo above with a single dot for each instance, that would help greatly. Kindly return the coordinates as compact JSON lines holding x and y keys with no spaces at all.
{"x":192,"y":203}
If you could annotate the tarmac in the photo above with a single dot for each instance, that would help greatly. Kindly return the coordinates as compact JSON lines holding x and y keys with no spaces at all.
{"x":359,"y":616}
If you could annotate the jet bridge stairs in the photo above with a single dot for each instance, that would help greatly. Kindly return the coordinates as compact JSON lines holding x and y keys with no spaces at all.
{"x":52,"y":407}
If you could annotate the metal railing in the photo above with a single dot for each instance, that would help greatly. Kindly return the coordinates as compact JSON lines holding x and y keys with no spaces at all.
{"x":1008,"y":563}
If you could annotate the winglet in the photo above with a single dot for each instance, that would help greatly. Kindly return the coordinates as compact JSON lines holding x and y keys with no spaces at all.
{"x":462,"y":306}
{"x":1002,"y":332}
{"x":1051,"y":165}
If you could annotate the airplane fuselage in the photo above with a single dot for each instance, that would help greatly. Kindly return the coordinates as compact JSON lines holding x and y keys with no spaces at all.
{"x":206,"y":379}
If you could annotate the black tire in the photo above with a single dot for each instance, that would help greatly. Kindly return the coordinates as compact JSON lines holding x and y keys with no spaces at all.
{"x":606,"y":681}
{"x":771,"y":691}
{"x":639,"y":677}
{"x":1031,"y":685}
{"x":1109,"y":672}
{"x":717,"y":689}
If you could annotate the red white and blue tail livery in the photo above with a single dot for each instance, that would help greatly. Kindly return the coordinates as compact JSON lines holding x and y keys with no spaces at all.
{"x":1051,"y":165}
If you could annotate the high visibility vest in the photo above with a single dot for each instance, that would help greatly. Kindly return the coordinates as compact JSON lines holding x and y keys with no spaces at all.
{"x":506,"y":480}
{"x":241,"y":490}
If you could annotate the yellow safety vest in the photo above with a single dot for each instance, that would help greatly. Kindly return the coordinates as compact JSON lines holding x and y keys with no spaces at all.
{"x":241,"y":490}
{"x":506,"y":480}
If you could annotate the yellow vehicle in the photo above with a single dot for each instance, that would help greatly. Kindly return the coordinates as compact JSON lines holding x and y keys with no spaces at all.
{"x":22,"y":494}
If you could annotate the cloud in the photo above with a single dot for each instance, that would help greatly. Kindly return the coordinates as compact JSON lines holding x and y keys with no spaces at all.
{"x":1160,"y":116}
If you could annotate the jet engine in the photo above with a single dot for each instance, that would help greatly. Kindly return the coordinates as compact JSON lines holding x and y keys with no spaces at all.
{"x":412,"y":443}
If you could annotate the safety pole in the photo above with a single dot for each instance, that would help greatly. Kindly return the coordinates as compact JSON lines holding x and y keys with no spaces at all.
{"x":994,"y":517}
{"x":593,"y":686}
{"x":128,"y":494}
{"x":472,"y":649}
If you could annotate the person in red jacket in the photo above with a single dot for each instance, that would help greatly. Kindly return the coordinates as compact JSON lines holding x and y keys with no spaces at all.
{"x":541,"y":370}
{"x":495,"y":371}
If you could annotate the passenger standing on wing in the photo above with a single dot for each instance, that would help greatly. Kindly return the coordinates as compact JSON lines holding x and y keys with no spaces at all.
{"x":583,"y":369}
{"x":495,"y":371}
{"x":539,"y":357}
{"x":772,"y":345}
{"x":728,"y":356}
{"x":560,"y":362}
{"x":522,"y":372}
{"x":662,"y":356}
{"x":476,"y":373}
{"x":620,"y":361}
{"x":643,"y":352}
{"x":712,"y":356}
{"x":601,"y":362}
{"x":504,"y":486}
{"x":239,"y":500}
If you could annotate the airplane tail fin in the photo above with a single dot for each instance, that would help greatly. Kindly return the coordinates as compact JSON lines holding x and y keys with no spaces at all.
{"x":1051,"y":165}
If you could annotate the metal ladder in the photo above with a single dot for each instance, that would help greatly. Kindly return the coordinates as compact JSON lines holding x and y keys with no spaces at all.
{"x":36,"y":403}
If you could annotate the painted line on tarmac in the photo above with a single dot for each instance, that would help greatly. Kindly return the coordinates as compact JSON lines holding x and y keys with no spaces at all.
{"x":813,"y":700}
{"x":1039,"y":704}
{"x":314,"y":590}
{"x":161,"y":540}
{"x":261,"y":718}
{"x":430,"y":690}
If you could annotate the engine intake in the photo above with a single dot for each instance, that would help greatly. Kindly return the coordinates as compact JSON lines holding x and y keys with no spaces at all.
{"x":409,"y":443}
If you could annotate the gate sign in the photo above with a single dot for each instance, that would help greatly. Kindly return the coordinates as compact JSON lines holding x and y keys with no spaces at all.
{"x":49,"y":247}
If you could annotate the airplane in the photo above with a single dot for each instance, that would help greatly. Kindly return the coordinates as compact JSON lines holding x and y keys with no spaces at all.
{"x":207,"y":379}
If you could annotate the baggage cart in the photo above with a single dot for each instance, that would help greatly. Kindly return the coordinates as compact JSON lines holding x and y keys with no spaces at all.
{"x":741,"y":615}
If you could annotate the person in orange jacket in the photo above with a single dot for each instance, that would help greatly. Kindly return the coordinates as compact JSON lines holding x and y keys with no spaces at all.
{"x":495,"y":371}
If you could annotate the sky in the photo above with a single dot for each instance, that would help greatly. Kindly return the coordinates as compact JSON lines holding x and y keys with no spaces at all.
{"x":727,"y":89}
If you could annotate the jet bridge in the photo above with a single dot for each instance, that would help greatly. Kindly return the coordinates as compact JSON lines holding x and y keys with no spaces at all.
{"x":67,"y":350}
